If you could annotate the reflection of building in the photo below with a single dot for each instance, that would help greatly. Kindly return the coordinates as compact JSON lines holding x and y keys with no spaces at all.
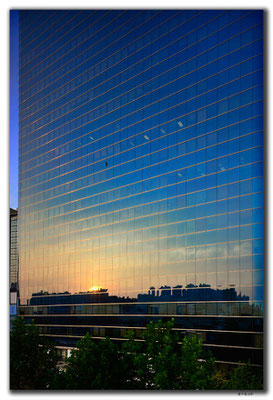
{"x":201,"y":292}
{"x":98,"y":296}
{"x":141,"y":166}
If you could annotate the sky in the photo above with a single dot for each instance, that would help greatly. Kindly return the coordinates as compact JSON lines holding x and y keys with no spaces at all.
{"x":14,"y":127}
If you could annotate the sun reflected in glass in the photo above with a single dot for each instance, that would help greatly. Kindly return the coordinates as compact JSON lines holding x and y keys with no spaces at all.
{"x":94,"y":289}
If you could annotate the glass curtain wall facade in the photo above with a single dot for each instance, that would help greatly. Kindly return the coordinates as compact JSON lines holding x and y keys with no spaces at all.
{"x":13,"y":256}
{"x":141,"y":174}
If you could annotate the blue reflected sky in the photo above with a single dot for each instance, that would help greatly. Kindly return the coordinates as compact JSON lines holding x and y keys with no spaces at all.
{"x":14,"y":113}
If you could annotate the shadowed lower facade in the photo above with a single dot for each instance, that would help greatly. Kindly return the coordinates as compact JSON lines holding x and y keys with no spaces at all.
{"x":141,"y":174}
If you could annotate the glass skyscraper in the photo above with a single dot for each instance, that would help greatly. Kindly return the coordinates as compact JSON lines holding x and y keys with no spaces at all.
{"x":141,"y":174}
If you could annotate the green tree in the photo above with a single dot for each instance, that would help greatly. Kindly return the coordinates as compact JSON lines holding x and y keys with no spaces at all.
{"x":197,"y":367}
{"x":159,"y":361}
{"x":161,"y":356}
{"x":245,"y":377}
{"x":95,"y":365}
{"x":33,"y":359}
{"x":220,"y":379}
{"x":162,"y":363}
{"x":133,"y":367}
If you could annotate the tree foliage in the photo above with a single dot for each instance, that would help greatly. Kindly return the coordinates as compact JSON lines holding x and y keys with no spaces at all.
{"x":197,"y":367}
{"x":32,"y":358}
{"x":165,"y":364}
{"x":94,"y":366}
{"x":244,"y":378}
{"x":155,"y":361}
{"x":160,"y":360}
